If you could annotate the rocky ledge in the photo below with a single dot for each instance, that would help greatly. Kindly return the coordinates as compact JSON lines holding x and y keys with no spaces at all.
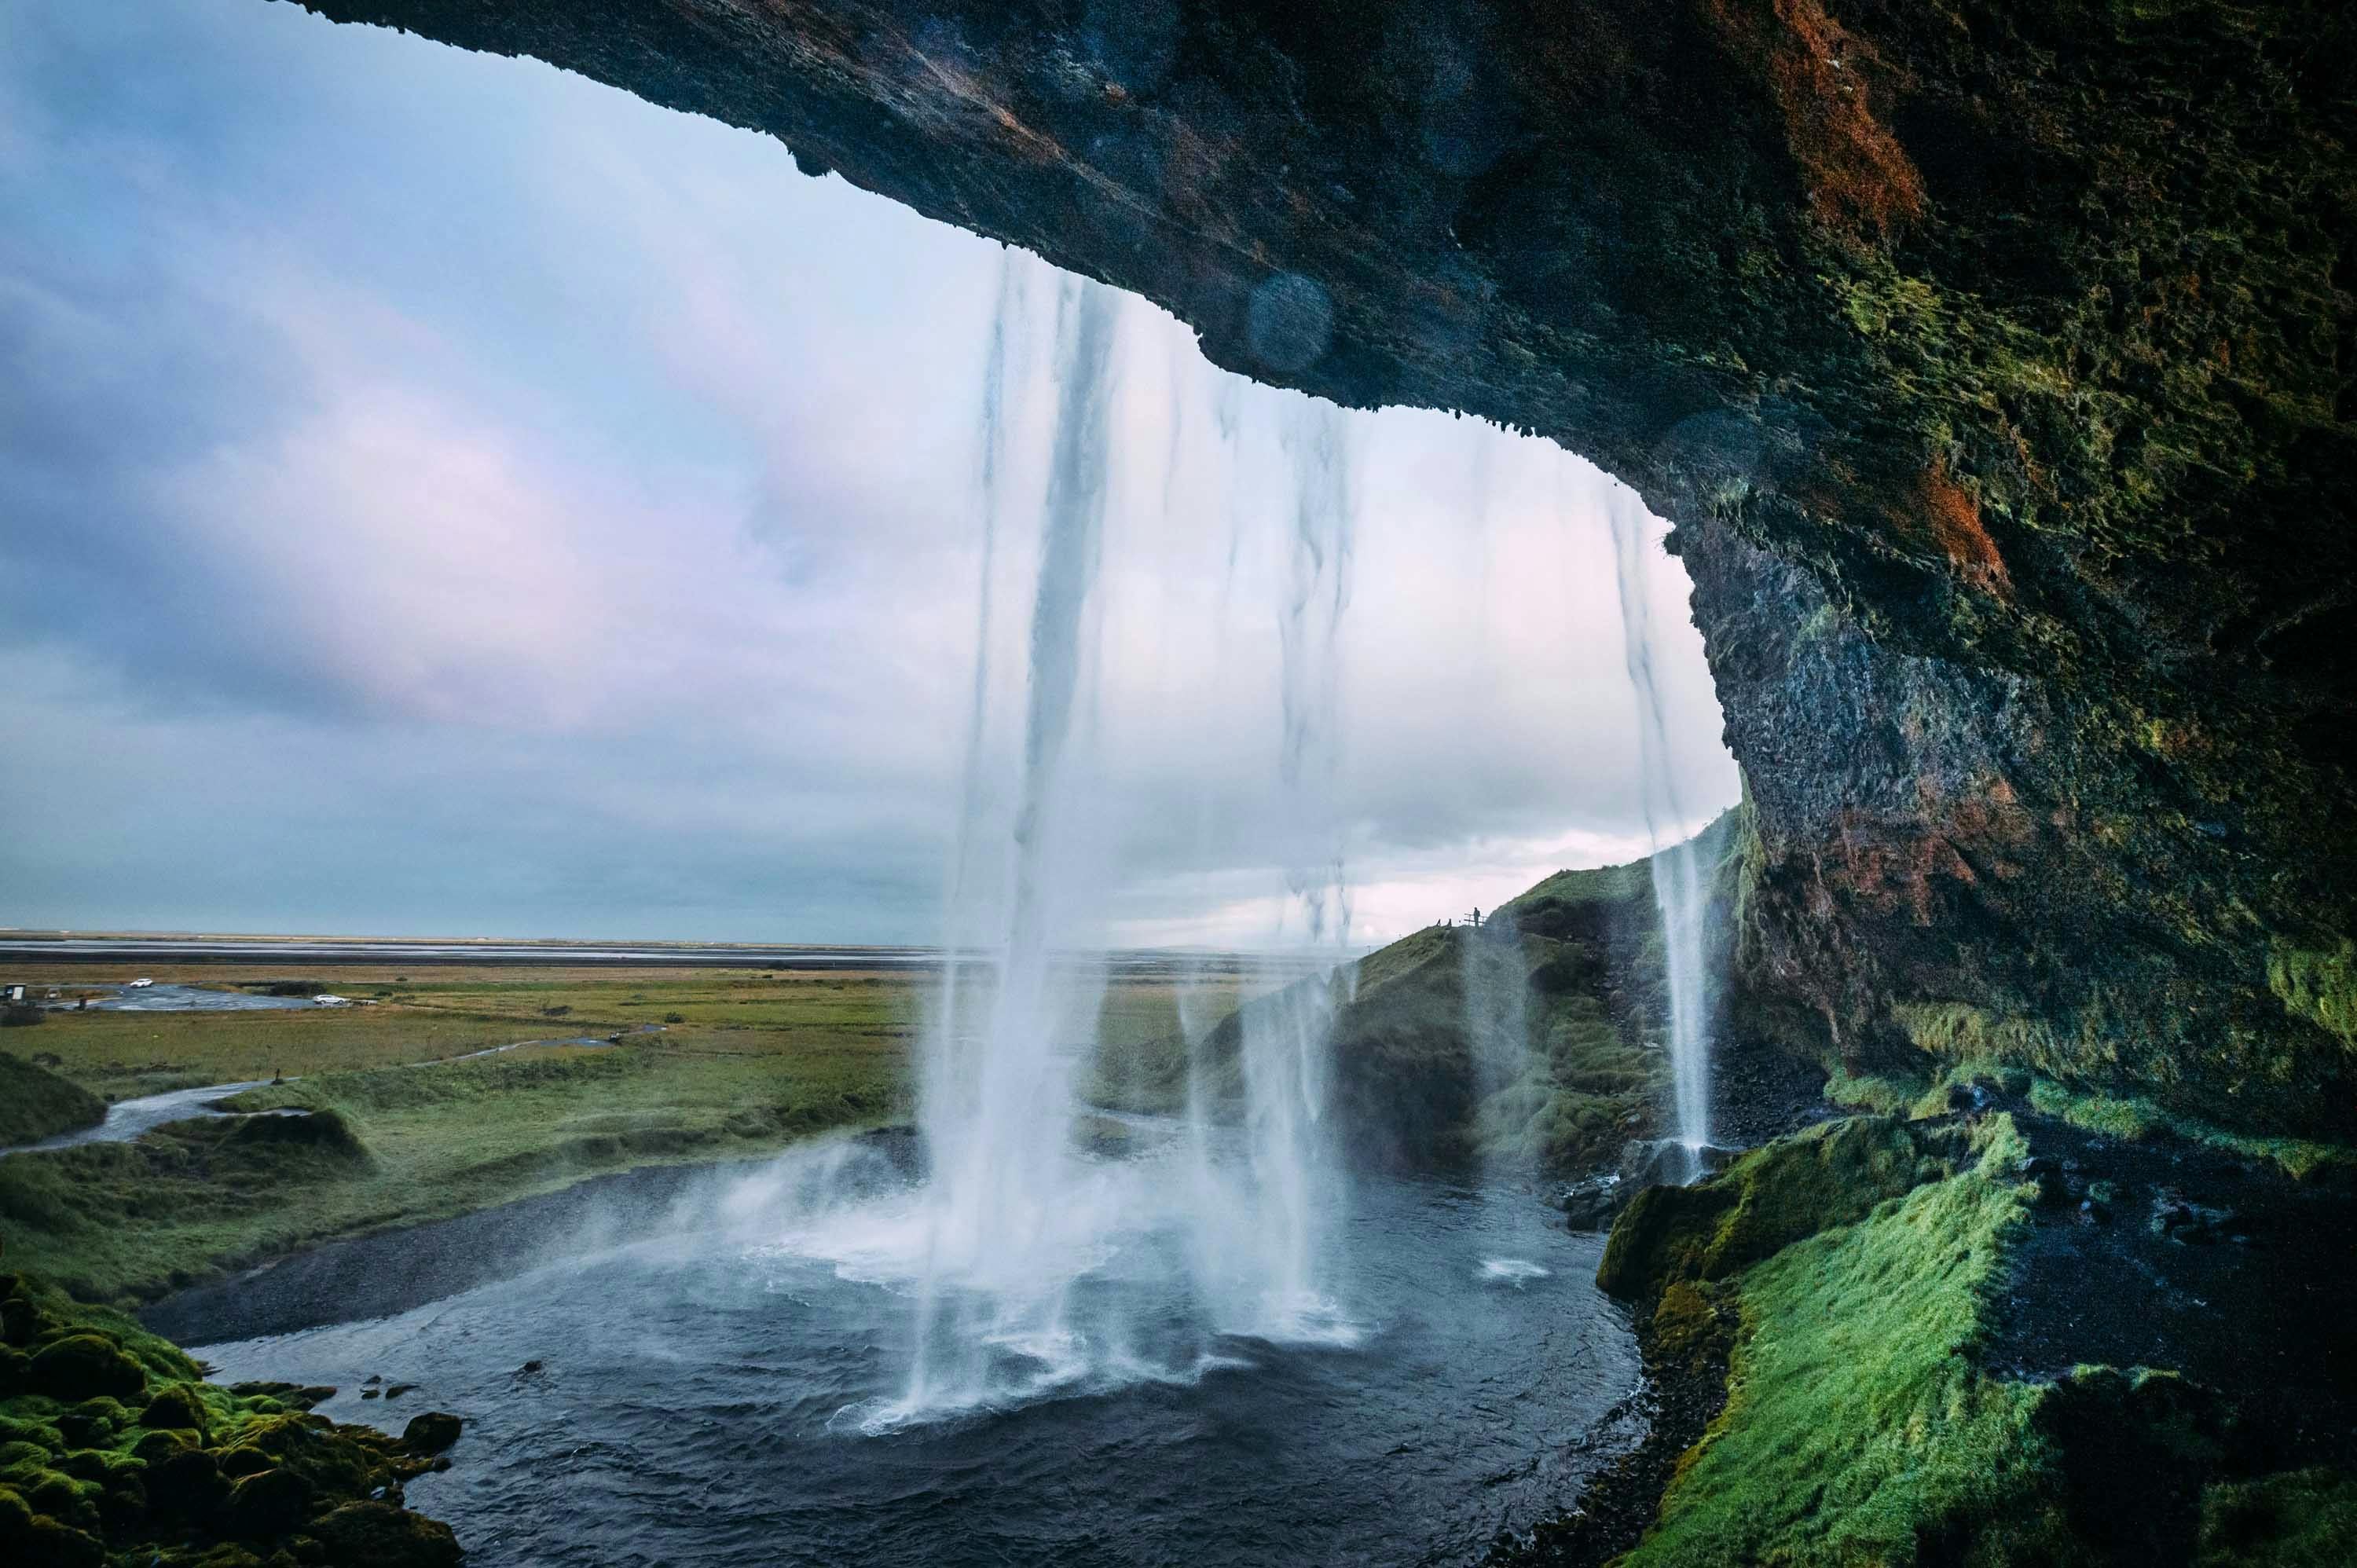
{"x":1982,"y":1335}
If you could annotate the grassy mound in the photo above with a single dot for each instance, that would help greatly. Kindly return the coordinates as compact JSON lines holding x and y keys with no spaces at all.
{"x":36,"y":1104}
{"x":401,"y":1145}
{"x":113,"y":1449}
{"x":1826,"y":1175}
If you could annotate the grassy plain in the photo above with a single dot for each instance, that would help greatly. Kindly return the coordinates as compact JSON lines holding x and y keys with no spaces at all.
{"x":708,"y":1064}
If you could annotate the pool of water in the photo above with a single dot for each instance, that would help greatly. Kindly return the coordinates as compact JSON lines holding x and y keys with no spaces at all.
{"x":708,"y":1376}
{"x":188,"y":999}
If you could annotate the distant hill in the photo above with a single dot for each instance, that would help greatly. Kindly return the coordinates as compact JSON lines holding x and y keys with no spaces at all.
{"x":1534,"y":1042}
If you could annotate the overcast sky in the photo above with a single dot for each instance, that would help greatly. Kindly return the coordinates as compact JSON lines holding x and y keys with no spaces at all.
{"x":441,"y":496}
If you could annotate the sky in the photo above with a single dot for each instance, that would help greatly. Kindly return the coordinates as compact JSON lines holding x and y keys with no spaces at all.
{"x":440,"y":496}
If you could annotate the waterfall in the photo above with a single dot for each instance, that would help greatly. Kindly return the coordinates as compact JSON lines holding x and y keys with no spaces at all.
{"x":1286,"y":1043}
{"x":1007,"y":328}
{"x":1496,"y":979}
{"x":998,"y":1109}
{"x":1029,"y":1253}
{"x":1678,"y":876}
{"x":1268,"y":1263}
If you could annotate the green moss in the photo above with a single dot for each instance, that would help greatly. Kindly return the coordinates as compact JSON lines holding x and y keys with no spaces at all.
{"x":1856,"y":1424}
{"x":1860,"y":1426}
{"x":2319,"y":986}
{"x":1686,"y":1325}
{"x":1958,"y":1029}
{"x":1887,"y":1094}
{"x":1831,"y":1174}
{"x":85,"y":1478}
{"x":2136,"y":1117}
{"x":2303,"y":1519}
{"x":176,"y":1407}
{"x":1927,"y":1095}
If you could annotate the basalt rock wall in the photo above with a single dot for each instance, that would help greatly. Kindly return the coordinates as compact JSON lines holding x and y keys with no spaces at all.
{"x":1997,"y":361}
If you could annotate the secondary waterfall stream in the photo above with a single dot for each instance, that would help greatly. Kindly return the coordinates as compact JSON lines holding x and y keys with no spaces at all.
{"x":1678,"y":876}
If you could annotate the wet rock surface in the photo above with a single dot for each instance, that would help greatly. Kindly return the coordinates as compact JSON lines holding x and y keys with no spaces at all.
{"x":2167,"y":1255}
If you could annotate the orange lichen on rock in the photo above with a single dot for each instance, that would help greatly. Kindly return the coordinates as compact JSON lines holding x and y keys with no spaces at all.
{"x":1859,"y":179}
{"x":1885,"y":867}
{"x":1957,"y":835}
{"x":1963,"y":537}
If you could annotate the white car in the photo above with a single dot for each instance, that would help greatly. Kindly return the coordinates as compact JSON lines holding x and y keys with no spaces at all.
{"x":141,"y":984}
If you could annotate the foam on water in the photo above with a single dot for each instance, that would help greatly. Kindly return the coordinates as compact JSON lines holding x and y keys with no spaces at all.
{"x":1515,"y":1272}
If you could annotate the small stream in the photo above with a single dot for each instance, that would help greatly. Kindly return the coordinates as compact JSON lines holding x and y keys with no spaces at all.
{"x":128,"y":1119}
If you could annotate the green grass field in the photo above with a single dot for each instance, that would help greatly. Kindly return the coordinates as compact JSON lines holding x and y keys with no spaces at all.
{"x":736,"y":1063}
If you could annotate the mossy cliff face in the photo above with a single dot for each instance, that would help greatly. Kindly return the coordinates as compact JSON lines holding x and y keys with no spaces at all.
{"x":1995,"y":360}
{"x":1838,"y":1322}
{"x":1534,"y":1045}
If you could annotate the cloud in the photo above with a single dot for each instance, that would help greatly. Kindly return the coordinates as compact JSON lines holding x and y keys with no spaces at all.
{"x":442,"y":495}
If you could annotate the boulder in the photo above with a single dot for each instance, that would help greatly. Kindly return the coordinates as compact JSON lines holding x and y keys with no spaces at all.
{"x":1665,"y":1162}
{"x":379,"y":1535}
{"x":431,"y":1433}
{"x":245,"y":1459}
{"x":1831,"y":1174}
{"x":82,"y":1366}
{"x":1590,"y":1205}
{"x":266,"y":1505}
{"x":186,"y":1482}
{"x":2179,"y":1219}
{"x":22,"y":1320}
{"x":33,"y":1540}
{"x":175,"y":1408}
{"x":156,"y":1446}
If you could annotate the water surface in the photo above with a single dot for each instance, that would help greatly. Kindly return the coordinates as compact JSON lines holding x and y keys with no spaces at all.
{"x":706,"y":1396}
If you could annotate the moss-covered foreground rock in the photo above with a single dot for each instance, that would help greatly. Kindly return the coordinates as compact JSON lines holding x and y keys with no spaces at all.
{"x":113,"y":1449}
{"x":36,"y":1104}
{"x":1851,"y":1284}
